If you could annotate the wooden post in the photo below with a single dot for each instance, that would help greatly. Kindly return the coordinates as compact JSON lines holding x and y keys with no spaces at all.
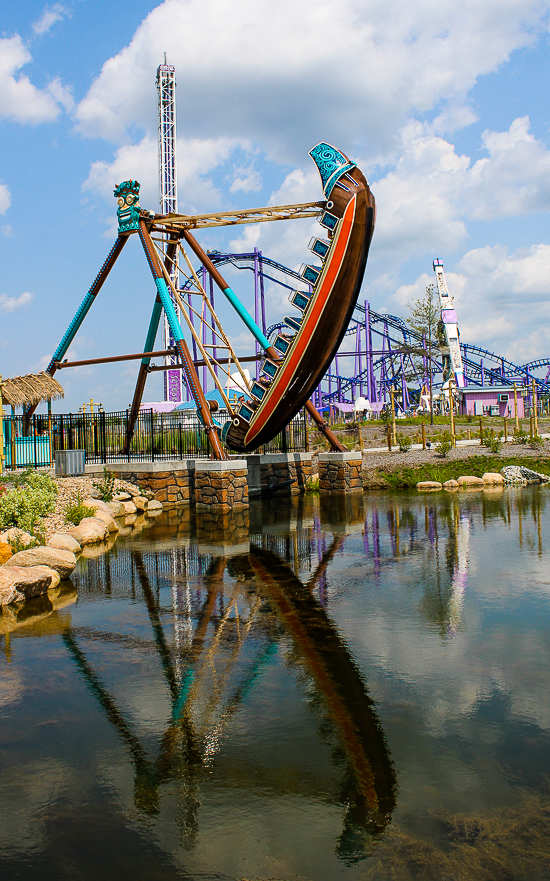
{"x":516,"y":406}
{"x":505,"y":429}
{"x":481,"y":429}
{"x":530,"y":426}
{"x":50,"y":432}
{"x":393,"y":434}
{"x":360,"y":438}
{"x":423,"y":436}
{"x":388,"y":437}
{"x":1,"y":431}
{"x":535,"y":414}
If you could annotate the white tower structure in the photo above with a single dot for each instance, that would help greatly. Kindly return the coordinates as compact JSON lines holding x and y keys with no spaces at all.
{"x":450,"y":322}
{"x":168,"y":191}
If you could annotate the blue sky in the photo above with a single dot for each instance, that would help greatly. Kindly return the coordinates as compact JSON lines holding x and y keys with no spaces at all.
{"x":443,"y":104}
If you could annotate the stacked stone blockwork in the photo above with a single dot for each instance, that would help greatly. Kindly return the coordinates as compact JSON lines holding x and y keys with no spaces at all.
{"x":170,"y":482}
{"x":340,"y":472}
{"x":221,"y":485}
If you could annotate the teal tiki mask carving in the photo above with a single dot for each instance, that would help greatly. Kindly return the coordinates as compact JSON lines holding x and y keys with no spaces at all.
{"x":127,"y":196}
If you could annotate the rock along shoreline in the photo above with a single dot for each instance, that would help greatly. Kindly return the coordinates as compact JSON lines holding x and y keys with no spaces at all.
{"x":35,"y":571}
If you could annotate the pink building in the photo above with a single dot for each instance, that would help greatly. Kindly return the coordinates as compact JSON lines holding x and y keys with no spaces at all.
{"x":490,"y":400}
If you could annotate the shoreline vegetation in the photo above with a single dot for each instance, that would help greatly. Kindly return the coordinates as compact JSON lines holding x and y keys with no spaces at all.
{"x":407,"y":476}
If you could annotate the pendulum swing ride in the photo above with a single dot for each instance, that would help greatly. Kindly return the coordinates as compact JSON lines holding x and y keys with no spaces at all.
{"x":293,"y":364}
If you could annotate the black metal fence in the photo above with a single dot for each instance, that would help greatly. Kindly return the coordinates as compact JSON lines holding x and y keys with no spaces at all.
{"x":157,"y":436}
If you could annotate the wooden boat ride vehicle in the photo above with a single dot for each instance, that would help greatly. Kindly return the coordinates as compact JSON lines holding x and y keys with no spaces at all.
{"x":301,"y":352}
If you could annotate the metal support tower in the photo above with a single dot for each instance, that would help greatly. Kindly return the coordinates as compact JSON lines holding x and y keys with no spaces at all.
{"x":168,"y":194}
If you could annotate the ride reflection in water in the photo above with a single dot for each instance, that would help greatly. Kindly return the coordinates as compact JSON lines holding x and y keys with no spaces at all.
{"x":231,"y":616}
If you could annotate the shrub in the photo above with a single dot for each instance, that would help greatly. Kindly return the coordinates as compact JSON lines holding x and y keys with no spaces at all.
{"x":312,"y":486}
{"x":444,"y":445}
{"x":105,"y":486}
{"x":404,"y":441}
{"x":492,"y":441}
{"x":521,"y":436}
{"x":536,"y":442}
{"x":78,"y":511}
{"x":27,"y":503}
{"x":17,"y":544}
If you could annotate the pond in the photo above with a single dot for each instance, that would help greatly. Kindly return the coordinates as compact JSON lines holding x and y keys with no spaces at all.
{"x":350,"y":688}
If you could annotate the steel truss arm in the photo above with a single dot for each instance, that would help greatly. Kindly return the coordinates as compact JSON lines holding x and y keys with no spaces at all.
{"x":181,"y":346}
{"x":231,"y":218}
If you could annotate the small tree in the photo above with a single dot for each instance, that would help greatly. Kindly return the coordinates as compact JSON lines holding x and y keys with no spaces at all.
{"x":423,"y":319}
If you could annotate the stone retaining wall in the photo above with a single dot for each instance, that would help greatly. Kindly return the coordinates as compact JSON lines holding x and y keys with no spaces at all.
{"x":221,"y":485}
{"x":170,"y":482}
{"x":340,"y":472}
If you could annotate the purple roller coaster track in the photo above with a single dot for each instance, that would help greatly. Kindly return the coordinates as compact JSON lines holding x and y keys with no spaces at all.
{"x":379,"y":350}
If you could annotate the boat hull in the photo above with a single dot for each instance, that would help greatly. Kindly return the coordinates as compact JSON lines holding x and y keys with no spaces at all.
{"x":325,"y":319}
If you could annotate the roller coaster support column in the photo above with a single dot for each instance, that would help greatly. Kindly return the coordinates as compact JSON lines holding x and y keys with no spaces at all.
{"x":257,"y":333}
{"x":181,"y":345}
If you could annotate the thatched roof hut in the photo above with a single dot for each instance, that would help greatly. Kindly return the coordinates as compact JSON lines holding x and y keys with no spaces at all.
{"x":24,"y":391}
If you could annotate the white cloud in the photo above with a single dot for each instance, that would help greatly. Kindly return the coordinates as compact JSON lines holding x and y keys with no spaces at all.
{"x":498,"y":298}
{"x":196,"y":193}
{"x":7,"y":230}
{"x":19,"y":99}
{"x":49,"y":17}
{"x":10,"y":304}
{"x":352,"y":74}
{"x":5,"y":198}
{"x":426,"y":200}
{"x":247,"y":180}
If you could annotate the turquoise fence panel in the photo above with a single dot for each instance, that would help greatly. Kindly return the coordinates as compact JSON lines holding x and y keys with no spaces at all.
{"x":28,"y":451}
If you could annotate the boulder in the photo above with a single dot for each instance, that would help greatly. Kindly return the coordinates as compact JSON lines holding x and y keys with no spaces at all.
{"x":428,"y":485}
{"x":15,"y":534}
{"x":129,"y":508}
{"x":154,"y":506}
{"x":116,"y":508}
{"x":23,"y":582}
{"x":62,"y":562}
{"x":140,"y":502}
{"x":122,"y":497}
{"x":64,"y":542}
{"x":97,"y":505}
{"x":470,"y":480}
{"x":89,"y":531}
{"x":132,"y":490}
{"x":5,"y":552}
{"x":107,"y":518}
{"x":451,"y":484}
{"x":493,"y":478}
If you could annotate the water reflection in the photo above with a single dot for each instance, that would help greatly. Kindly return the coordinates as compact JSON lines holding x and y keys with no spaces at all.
{"x":226,"y":633}
{"x":249,"y":690}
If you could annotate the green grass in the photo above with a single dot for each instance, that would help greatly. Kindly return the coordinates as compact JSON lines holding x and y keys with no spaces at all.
{"x":474,"y":465}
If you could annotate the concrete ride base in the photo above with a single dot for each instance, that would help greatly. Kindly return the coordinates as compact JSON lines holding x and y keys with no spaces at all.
{"x":279,"y":472}
{"x":340,"y":472}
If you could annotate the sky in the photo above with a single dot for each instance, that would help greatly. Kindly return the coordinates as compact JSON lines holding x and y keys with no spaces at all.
{"x":443,"y":104}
